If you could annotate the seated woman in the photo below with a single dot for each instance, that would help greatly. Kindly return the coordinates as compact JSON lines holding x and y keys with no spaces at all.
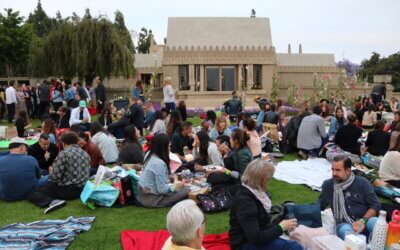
{"x":369,"y":118}
{"x":251,"y":225}
{"x":155,"y":189}
{"x":64,"y":115}
{"x":131,"y":151}
{"x":378,"y":140}
{"x":389,"y":169}
{"x":117,"y":128}
{"x":49,"y":129}
{"x":336,"y":122}
{"x":394,"y":136}
{"x":96,"y":157}
{"x":235,"y":162}
{"x":22,"y":123}
{"x":105,"y":141}
{"x":211,"y":117}
{"x":205,"y":151}
{"x":174,"y":122}
{"x":254,"y":143}
{"x":157,"y":125}
{"x":105,"y":118}
{"x":220,"y":128}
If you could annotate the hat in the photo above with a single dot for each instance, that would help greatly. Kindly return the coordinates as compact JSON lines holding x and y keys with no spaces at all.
{"x":82,"y":104}
{"x":18,"y":140}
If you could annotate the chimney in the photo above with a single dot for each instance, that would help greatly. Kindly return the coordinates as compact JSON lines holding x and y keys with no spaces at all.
{"x":289,"y":49}
{"x":300,"y":49}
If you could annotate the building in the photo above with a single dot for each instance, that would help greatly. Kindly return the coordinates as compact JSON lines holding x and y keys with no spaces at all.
{"x":208,"y":58}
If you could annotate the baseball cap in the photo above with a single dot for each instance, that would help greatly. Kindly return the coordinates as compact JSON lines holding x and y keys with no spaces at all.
{"x":82,"y":104}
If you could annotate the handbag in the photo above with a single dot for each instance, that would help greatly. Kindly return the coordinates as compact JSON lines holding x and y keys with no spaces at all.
{"x":306,"y":214}
{"x":103,"y":195}
{"x":210,"y":203}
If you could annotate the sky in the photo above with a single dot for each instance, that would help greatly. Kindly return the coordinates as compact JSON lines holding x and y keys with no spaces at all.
{"x":350,"y":29}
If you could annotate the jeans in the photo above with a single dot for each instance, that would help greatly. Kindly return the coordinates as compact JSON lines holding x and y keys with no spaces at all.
{"x":315,"y":151}
{"x":170,"y":106}
{"x":43,"y":181}
{"x":10,"y":112}
{"x":344,"y":228}
{"x":275,"y":244}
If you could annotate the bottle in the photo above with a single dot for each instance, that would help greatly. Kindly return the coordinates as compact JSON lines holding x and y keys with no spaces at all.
{"x":379,"y":233}
{"x":393,"y":234}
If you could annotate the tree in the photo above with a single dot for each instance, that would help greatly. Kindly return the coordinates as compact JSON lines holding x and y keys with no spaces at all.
{"x":119,"y":23}
{"x":82,"y":47}
{"x":144,"y":41}
{"x":41,"y":23}
{"x":351,"y":68}
{"x":15,"y":39}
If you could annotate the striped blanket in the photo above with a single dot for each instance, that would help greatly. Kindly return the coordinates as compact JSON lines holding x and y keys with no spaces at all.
{"x":45,"y":234}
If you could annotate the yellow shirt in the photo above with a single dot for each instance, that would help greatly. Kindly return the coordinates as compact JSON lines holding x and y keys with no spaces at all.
{"x":168,"y":245}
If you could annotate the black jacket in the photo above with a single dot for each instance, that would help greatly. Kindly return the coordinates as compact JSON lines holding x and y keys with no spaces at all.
{"x":38,"y":153}
{"x":118,"y":128}
{"x":100,"y":93}
{"x":136,"y":116}
{"x":233,"y":106}
{"x":249,"y":222}
{"x":347,"y":138}
{"x":378,"y":142}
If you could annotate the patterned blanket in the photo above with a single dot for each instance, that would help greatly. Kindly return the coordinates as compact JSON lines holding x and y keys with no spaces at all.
{"x":45,"y":234}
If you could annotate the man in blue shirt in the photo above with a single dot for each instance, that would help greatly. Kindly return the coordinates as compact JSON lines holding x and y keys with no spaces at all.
{"x":352,"y":199}
{"x":19,"y":173}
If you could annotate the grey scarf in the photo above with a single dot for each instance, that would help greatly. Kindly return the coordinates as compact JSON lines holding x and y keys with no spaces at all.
{"x":339,"y":206}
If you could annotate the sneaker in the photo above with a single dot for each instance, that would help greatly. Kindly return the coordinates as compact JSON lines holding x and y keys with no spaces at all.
{"x":302,"y":155}
{"x":54,"y":205}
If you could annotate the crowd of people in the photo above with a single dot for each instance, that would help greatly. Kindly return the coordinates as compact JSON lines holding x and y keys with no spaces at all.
{"x":72,"y":145}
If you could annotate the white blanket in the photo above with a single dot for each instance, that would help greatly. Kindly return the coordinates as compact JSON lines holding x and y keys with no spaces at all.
{"x":312,"y":172}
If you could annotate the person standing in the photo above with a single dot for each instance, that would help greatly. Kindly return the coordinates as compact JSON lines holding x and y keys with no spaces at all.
{"x":352,"y":199}
{"x":44,"y":97}
{"x":11,"y":100}
{"x":28,"y":100}
{"x":169,"y":94}
{"x":57,"y":97}
{"x":138,"y":91}
{"x":100,"y":92}
{"x":378,"y":93}
{"x":21,"y":104}
{"x":233,"y":106}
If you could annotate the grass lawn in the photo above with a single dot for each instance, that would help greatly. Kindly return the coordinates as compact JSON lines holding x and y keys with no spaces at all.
{"x":105,"y":233}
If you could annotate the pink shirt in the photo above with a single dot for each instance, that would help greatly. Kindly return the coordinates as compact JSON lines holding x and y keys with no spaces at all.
{"x":254,"y":143}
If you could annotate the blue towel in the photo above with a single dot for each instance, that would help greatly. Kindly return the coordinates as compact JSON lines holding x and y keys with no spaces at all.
{"x":45,"y":234}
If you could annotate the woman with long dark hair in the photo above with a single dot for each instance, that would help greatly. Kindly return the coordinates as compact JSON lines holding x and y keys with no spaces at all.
{"x":370,"y":117}
{"x":131,"y":151}
{"x":157,"y":124}
{"x":105,"y":118}
{"x":49,"y":128}
{"x":205,"y":151}
{"x":336,"y":122}
{"x":211,"y":116}
{"x":174,"y":122}
{"x":22,"y":123}
{"x":105,"y":141}
{"x":155,"y":189}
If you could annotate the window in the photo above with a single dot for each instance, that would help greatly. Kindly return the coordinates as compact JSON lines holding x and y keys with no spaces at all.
{"x":257,"y":76}
{"x":196,"y":77}
{"x":220,"y":78}
{"x":183,"y":75}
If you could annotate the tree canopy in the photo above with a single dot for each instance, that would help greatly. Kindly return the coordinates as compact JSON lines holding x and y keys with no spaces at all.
{"x":15,"y":37}
{"x":385,"y":65}
{"x":42,"y":24}
{"x":144,"y":41}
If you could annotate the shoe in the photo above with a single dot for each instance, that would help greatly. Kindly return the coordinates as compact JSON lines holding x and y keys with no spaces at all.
{"x":54,"y":205}
{"x":302,"y":155}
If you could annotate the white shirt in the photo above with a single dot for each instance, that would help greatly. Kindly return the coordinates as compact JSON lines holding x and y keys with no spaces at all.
{"x":169,"y":94}
{"x":107,"y":146}
{"x":11,"y":96}
{"x":159,"y":127}
{"x":74,"y":119}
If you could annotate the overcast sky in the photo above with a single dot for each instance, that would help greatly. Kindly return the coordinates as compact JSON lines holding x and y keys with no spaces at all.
{"x":348,"y":28}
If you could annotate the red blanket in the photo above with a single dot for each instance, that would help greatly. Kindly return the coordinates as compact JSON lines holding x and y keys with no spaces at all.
{"x":140,"y":240}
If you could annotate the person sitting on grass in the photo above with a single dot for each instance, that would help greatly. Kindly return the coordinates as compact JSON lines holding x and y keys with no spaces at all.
{"x":155,"y":189}
{"x":174,"y":122}
{"x":254,"y":143}
{"x":80,"y":115}
{"x":369,"y":118}
{"x":105,"y":141}
{"x":347,"y":136}
{"x":44,"y":152}
{"x":19,"y":173}
{"x":389,"y":170}
{"x":68,"y":175}
{"x":211,"y":117}
{"x":220,"y":128}
{"x":205,"y":151}
{"x":336,"y":122}
{"x":157,"y":125}
{"x":183,"y":137}
{"x":250,"y":220}
{"x":48,"y":128}
{"x":186,"y":223}
{"x":64,"y":115}
{"x":352,"y":199}
{"x":378,"y":140}
{"x":396,"y":120}
{"x":22,"y":123}
{"x":96,"y":158}
{"x":131,"y":151}
{"x":117,"y":128}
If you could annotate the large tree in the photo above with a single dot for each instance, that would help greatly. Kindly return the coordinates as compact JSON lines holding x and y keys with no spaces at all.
{"x":119,"y":23}
{"x":82,"y":47}
{"x":42,"y":24}
{"x":144,"y":41}
{"x":15,"y":37}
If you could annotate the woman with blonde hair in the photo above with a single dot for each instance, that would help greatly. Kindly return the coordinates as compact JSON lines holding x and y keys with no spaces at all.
{"x":169,"y":94}
{"x":220,"y":128}
{"x":251,"y":225}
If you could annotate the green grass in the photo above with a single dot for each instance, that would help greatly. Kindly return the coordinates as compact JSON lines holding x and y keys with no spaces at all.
{"x":105,"y":233}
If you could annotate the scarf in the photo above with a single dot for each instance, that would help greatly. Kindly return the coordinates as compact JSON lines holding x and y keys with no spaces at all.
{"x":262,"y":197}
{"x":339,"y":206}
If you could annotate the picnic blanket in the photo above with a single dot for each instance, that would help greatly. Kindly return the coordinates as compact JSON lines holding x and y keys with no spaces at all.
{"x":311,"y":172}
{"x":45,"y":234}
{"x":136,"y":240}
